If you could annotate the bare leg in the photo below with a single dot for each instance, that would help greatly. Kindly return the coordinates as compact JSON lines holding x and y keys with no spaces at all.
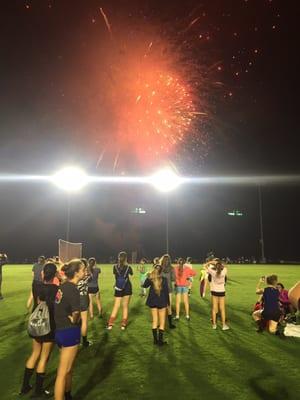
{"x":116,"y":307}
{"x":84,"y":324}
{"x":35,"y":354}
{"x":222,"y":310}
{"x":154,"y":313}
{"x":98,"y":302}
{"x":162,"y":318}
{"x":178,"y":301}
{"x":186,"y":304}
{"x":64,"y":372}
{"x":91,"y":306}
{"x":125,"y":306}
{"x":214,"y":312}
{"x":45,"y":354}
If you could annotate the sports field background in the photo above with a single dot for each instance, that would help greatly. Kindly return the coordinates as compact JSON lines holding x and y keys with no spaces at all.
{"x":198,"y":363}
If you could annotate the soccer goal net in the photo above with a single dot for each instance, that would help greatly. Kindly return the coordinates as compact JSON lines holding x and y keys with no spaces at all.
{"x":68,"y":250}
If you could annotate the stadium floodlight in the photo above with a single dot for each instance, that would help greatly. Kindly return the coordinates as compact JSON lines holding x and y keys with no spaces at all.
{"x":70,"y":179}
{"x":165,"y":180}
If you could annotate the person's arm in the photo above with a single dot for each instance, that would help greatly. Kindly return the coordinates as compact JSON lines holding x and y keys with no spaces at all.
{"x":259,"y":290}
{"x":130,"y":271}
{"x":74,"y":301}
{"x":75,"y":317}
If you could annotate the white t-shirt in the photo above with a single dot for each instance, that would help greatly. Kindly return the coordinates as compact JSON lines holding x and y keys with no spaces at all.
{"x":217,"y":283}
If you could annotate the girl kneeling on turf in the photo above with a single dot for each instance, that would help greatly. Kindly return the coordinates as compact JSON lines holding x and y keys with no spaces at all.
{"x":67,"y":320}
{"x":158,"y":300}
{"x":182,"y":275}
{"x":218,"y":274}
{"x":123,"y":290}
{"x":271,"y":308}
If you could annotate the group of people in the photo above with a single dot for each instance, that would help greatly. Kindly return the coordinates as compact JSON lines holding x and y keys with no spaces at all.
{"x":70,"y":292}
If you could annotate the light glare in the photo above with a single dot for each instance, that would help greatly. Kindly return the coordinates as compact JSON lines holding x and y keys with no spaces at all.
{"x":70,"y":179}
{"x":165,"y":180}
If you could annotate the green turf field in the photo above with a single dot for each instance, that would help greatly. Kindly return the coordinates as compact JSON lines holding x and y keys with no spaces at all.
{"x":198,"y":363}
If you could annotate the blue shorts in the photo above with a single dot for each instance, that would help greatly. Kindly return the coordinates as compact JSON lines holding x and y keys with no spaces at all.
{"x":181,"y":289}
{"x":68,"y":337}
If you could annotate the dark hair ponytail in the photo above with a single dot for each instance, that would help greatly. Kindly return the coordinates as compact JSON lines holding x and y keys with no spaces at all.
{"x":72,"y":267}
{"x":49,"y":270}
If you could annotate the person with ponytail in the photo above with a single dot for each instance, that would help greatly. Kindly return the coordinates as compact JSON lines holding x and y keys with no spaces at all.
{"x":82,"y":286}
{"x":67,"y":320}
{"x":123,"y":290}
{"x":158,"y":300}
{"x":93,"y":287}
{"x":183,"y":273}
{"x":168,"y":273}
{"x":218,"y":278}
{"x":42,"y":345}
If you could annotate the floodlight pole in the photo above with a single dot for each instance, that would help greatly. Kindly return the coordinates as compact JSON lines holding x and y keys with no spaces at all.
{"x":261,"y":240}
{"x":68,"y":217}
{"x":167,"y":223}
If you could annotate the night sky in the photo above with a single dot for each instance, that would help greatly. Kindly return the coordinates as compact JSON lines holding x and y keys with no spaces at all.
{"x":66,"y":77}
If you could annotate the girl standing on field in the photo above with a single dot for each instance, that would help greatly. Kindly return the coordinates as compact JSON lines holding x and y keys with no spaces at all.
{"x":42,"y":345}
{"x":123,"y":290}
{"x":84,"y":303}
{"x":158,"y":300}
{"x":168,"y":273}
{"x":67,"y":321}
{"x":218,"y":273}
{"x":183,"y":273}
{"x":93,"y":287}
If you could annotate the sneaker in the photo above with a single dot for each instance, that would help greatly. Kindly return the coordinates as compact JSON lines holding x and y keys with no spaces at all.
{"x":109,"y":327}
{"x":214,"y":326}
{"x":123,"y":328}
{"x":225,"y":328}
{"x":24,"y":391}
{"x":188,"y":318}
{"x":176,"y":318}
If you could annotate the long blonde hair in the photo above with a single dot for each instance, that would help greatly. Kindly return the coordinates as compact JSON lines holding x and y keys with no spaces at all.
{"x":156,"y":278}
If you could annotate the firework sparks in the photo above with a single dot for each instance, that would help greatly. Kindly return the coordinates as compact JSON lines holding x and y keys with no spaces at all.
{"x":107,"y":23}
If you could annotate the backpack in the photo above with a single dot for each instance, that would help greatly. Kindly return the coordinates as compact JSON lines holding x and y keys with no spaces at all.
{"x":121,"y":280}
{"x":39,"y":321}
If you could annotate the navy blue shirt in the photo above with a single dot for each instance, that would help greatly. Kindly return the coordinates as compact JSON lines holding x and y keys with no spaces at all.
{"x":271,"y":300}
{"x":154,"y":300}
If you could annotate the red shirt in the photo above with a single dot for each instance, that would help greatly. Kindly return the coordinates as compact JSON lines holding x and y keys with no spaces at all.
{"x":186,"y":273}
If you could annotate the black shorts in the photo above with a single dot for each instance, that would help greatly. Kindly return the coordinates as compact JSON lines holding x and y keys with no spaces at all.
{"x":84,"y":303}
{"x":93,"y":290}
{"x":271,"y":316}
{"x":50,"y":338}
{"x":218,"y":294}
{"x":127,"y":291}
